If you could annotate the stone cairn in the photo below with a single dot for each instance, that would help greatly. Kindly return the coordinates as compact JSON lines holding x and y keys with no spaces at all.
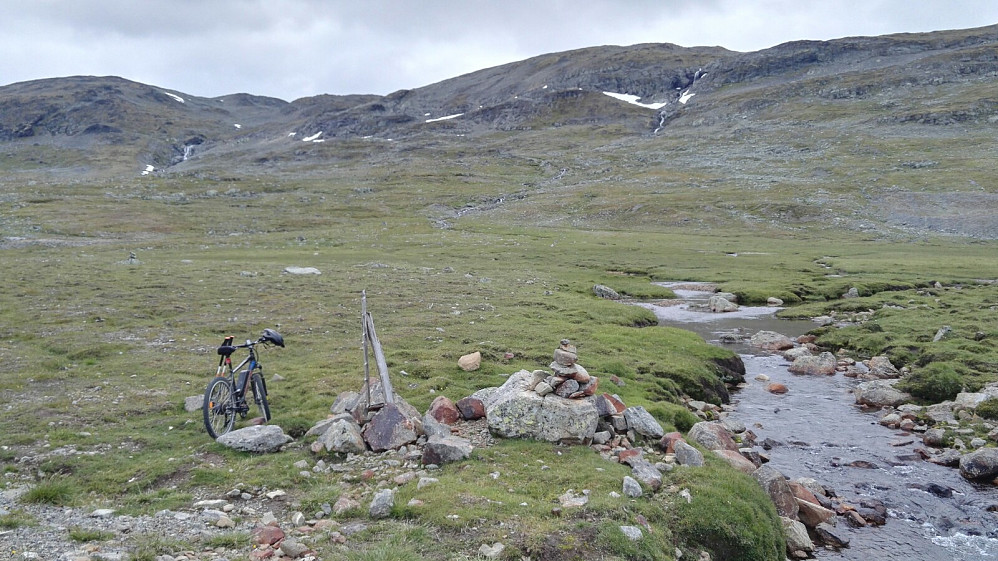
{"x":570,"y":380}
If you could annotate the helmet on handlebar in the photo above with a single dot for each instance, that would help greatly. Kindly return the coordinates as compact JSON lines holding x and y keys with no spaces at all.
{"x":271,"y":336}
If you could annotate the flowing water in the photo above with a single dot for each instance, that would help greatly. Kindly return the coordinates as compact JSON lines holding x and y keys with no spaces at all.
{"x":822,"y":434}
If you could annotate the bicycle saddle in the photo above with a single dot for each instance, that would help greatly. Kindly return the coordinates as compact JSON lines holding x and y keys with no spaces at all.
{"x":271,"y":336}
{"x":226,"y":350}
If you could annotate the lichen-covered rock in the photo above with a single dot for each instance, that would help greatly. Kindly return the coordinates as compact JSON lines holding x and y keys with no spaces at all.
{"x":771,"y":341}
{"x":687,"y":455}
{"x":513,"y":411}
{"x":878,"y":393}
{"x":605,"y":292}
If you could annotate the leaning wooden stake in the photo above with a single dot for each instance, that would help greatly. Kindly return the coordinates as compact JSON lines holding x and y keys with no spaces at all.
{"x":371,"y":337}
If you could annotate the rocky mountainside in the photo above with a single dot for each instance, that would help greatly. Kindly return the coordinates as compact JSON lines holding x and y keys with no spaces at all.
{"x":900,"y":125}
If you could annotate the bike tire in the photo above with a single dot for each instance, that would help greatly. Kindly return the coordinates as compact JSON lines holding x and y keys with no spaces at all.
{"x":218,"y":410}
{"x":259,"y":388}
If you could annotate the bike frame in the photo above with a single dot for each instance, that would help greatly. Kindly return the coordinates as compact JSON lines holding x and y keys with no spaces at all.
{"x":225,"y":368}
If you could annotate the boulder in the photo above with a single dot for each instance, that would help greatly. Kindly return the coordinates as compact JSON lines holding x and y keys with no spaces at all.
{"x":980,"y":464}
{"x":880,"y":393}
{"x":687,"y":455}
{"x":720,"y":304}
{"x":382,"y":504}
{"x":795,"y":353}
{"x":443,"y":410}
{"x":471,"y":408}
{"x":607,"y":405}
{"x":513,"y":411}
{"x":880,"y":367}
{"x":343,"y":436}
{"x":825,"y":363}
{"x":389,"y":429}
{"x":441,"y":450}
{"x":642,"y":422}
{"x":831,"y":536}
{"x":712,"y":435}
{"x":646,"y":472}
{"x":256,"y":438}
{"x":778,"y":489}
{"x":433,"y":427}
{"x":631,"y":487}
{"x":934,"y":437}
{"x":736,"y":460}
{"x":774,"y":301}
{"x":668,"y":442}
{"x":470,"y":362}
{"x":344,"y":402}
{"x":797,"y":538}
{"x":771,"y":341}
{"x":812,"y":514}
{"x":361,"y":408}
{"x":968,"y":400}
{"x":605,"y":292}
{"x":776,"y":388}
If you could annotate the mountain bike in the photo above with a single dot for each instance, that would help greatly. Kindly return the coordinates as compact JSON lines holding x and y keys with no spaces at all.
{"x":225,"y":396}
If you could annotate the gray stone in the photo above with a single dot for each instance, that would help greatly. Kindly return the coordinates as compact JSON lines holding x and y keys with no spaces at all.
{"x":632,"y":533}
{"x":433,"y":427}
{"x":605,"y":292}
{"x":256,"y":438}
{"x":493,"y":551}
{"x":440,"y":450}
{"x":881,"y":367}
{"x":796,"y":534}
{"x":344,"y":402}
{"x":639,"y":419}
{"x":824,"y":363}
{"x":720,"y":304}
{"x":778,"y":489}
{"x":343,"y":436}
{"x":193,"y":403}
{"x":934,"y":437}
{"x":980,"y":464}
{"x":687,"y":455}
{"x":567,"y":388}
{"x":646,"y":473}
{"x":771,"y":341}
{"x":832,"y":536}
{"x":322,"y":426}
{"x":382,"y":504}
{"x":302,"y":271}
{"x":292,"y":548}
{"x":712,"y":435}
{"x":880,"y":393}
{"x":631,"y":487}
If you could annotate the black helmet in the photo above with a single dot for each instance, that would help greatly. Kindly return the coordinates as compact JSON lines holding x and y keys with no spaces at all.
{"x":271,"y":336}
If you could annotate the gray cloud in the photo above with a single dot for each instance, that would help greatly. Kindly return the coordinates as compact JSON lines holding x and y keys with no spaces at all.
{"x":296,"y":48}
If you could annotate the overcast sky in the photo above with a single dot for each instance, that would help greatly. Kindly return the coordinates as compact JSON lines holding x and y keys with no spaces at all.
{"x":296,"y":48}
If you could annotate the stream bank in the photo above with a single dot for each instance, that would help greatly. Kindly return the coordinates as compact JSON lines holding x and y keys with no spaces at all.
{"x":815,"y":430}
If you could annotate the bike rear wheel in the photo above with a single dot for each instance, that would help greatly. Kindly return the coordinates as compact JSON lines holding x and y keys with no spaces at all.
{"x":260,"y":395}
{"x":218,"y":410}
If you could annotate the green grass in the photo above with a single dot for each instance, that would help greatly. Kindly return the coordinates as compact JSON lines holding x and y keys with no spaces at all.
{"x":97,"y":354}
{"x":83,"y":535}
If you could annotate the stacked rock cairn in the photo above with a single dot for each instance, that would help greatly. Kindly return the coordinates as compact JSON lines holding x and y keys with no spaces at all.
{"x":570,"y":380}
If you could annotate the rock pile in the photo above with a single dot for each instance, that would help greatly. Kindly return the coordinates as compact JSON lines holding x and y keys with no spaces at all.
{"x":570,"y":379}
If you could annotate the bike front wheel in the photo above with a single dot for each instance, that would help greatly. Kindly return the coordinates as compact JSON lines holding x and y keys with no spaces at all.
{"x":260,"y":396}
{"x":218,"y":407}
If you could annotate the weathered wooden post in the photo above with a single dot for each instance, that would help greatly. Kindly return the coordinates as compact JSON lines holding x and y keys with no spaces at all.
{"x":371,"y":339}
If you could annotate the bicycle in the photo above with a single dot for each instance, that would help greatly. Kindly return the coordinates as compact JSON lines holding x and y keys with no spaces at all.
{"x":225,"y":396}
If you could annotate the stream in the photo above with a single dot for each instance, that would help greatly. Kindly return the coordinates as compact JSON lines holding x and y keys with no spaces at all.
{"x":820,"y":431}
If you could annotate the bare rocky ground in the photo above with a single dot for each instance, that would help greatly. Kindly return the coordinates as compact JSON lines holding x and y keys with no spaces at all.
{"x":225,"y":526}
